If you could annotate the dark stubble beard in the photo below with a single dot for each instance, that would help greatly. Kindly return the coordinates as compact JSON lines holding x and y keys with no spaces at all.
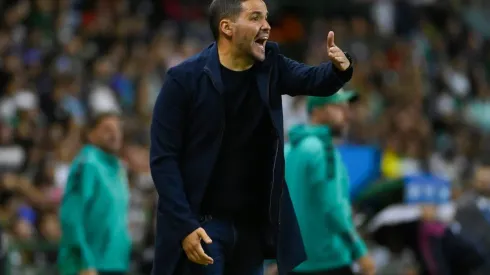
{"x":105,"y":145}
{"x":245,"y":50}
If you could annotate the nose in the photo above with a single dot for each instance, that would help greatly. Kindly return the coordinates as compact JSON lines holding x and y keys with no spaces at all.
{"x":348,"y":113}
{"x":266,"y":26}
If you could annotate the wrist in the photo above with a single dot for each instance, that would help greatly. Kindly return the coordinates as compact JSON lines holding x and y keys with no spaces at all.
{"x":351,"y":62}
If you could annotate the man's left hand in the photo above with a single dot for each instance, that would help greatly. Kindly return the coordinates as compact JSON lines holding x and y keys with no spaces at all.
{"x":336,"y":55}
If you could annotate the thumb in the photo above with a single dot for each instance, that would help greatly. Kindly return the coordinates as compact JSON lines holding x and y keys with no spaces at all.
{"x":204,"y":236}
{"x":330,"y":39}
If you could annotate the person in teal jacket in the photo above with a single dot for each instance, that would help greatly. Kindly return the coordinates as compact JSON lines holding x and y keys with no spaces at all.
{"x":94,"y":210}
{"x":319,"y":187}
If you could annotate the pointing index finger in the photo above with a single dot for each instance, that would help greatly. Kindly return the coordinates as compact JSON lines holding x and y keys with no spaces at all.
{"x":330,"y":39}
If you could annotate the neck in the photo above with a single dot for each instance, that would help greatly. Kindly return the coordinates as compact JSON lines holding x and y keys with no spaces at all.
{"x":232,"y":60}
{"x":101,"y":148}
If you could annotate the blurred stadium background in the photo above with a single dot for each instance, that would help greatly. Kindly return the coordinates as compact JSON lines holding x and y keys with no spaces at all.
{"x":422,"y":71}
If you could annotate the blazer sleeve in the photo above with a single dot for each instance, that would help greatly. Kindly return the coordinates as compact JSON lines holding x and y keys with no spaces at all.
{"x":300,"y":79}
{"x":77,"y":196}
{"x":167,"y":127}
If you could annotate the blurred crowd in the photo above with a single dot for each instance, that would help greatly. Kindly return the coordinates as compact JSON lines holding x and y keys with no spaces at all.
{"x":422,"y":71}
{"x":60,"y":63}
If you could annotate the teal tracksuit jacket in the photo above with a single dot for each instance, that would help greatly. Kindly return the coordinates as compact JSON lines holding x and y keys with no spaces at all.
{"x":319,"y":187}
{"x":94,"y":215}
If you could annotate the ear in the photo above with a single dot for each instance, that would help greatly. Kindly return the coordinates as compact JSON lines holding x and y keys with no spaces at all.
{"x":226,"y":27}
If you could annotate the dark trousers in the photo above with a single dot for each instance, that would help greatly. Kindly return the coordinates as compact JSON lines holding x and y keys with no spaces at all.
{"x":346,"y":270}
{"x":236,"y":250}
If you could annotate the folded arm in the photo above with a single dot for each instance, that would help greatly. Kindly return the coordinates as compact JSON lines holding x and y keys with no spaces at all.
{"x":167,"y":129}
{"x":301,"y":79}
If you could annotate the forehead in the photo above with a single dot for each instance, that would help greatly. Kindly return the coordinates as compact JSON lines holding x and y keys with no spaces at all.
{"x":251,"y":6}
{"x":109,"y":121}
{"x":337,"y":105}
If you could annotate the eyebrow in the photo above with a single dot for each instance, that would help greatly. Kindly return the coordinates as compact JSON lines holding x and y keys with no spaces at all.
{"x":259,"y":13}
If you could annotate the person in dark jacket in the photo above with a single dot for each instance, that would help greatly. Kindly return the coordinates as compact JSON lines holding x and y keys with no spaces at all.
{"x":217,"y":148}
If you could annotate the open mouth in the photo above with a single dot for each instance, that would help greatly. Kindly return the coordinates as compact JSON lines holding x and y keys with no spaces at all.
{"x":260,"y":42}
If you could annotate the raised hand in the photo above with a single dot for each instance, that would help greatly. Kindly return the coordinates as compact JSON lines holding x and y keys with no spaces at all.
{"x":335,"y":54}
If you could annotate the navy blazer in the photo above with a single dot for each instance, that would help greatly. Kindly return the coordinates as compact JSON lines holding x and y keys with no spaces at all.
{"x":186,"y":132}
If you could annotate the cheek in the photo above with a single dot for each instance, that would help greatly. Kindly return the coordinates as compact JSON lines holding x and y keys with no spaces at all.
{"x":332,"y":113}
{"x":345,"y":115}
{"x":242,"y":39}
{"x":338,"y":115}
{"x":114,"y":134}
{"x":245,"y":34}
{"x":113,"y":131}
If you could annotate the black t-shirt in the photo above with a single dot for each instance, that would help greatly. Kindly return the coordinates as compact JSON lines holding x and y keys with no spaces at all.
{"x":239,"y":183}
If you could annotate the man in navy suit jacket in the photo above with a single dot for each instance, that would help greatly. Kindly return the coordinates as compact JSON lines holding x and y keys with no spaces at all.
{"x":217,"y":148}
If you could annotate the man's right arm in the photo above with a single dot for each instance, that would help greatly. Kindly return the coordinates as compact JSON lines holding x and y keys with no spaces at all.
{"x":335,"y":206}
{"x":78,"y":193}
{"x":167,"y":128}
{"x":330,"y":192}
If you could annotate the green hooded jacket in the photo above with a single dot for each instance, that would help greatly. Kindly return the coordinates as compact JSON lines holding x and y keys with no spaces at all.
{"x":94,"y":215}
{"x":319,"y":188}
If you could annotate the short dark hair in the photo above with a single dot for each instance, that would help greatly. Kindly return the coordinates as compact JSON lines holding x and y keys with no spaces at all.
{"x":219,"y":9}
{"x":96,"y":119}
